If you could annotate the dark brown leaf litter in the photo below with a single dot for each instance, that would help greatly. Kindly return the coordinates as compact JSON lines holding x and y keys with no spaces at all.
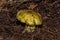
{"x":11,"y":29}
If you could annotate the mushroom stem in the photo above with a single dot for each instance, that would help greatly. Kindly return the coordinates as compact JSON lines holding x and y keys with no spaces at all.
{"x":29,"y":28}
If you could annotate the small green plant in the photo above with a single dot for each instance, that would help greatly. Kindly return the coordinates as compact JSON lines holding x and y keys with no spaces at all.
{"x":30,"y":18}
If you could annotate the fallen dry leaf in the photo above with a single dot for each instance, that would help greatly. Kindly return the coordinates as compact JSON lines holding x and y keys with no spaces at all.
{"x":32,"y":6}
{"x":5,"y":9}
{"x":1,"y":2}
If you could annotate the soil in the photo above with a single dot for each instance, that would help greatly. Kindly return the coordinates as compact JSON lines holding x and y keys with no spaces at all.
{"x":11,"y":28}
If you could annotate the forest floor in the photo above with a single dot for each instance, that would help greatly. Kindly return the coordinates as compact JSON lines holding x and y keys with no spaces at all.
{"x":11,"y":29}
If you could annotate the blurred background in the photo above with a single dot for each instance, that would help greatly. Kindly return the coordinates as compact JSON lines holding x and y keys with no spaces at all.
{"x":11,"y":29}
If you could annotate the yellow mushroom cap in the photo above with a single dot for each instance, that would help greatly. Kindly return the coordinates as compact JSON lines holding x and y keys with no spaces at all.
{"x":29,"y":17}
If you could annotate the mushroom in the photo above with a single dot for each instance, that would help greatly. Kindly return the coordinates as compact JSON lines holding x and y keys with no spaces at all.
{"x":30,"y":18}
